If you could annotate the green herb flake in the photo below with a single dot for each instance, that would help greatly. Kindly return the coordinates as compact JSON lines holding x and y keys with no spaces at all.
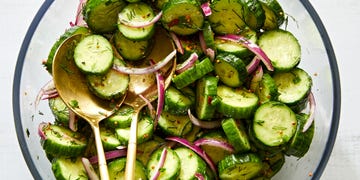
{"x":74,"y":103}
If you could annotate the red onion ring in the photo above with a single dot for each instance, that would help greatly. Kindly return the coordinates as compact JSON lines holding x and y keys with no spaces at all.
{"x":203,"y":124}
{"x":150,"y":106}
{"x":47,"y":87}
{"x":145,"y":70}
{"x":109,"y":155}
{"x":177,"y":42}
{"x":252,"y":66}
{"x":215,"y":142}
{"x":161,"y":97}
{"x":206,"y":8}
{"x":72,"y":121}
{"x":160,"y":164}
{"x":89,"y":169}
{"x":199,"y":176}
{"x":251,"y":46}
{"x":188,"y":63}
{"x":197,"y":150}
{"x":311,"y":118}
{"x":41,"y":130}
{"x":135,"y":24}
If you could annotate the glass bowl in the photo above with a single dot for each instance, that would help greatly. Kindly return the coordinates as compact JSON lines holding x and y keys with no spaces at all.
{"x":53,"y":17}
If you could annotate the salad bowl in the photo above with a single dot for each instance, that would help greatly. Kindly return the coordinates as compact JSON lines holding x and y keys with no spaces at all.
{"x":317,"y":58}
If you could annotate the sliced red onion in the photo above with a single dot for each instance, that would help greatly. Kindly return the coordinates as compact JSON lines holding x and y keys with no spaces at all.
{"x":136,"y":24}
{"x":253,"y":65}
{"x":72,"y":121}
{"x":204,"y":124}
{"x":79,"y":21}
{"x":160,"y":164}
{"x":210,"y":53}
{"x":188,"y":63}
{"x":251,"y":46}
{"x":161,"y":97}
{"x":197,"y":150}
{"x":150,"y":106}
{"x":311,"y":118}
{"x":199,"y":176}
{"x":202,"y":42}
{"x":89,"y":169}
{"x":41,"y":130}
{"x":46,"y":88}
{"x":258,"y":74}
{"x":109,"y":155}
{"x":177,"y":42}
{"x":145,"y":70}
{"x":206,"y":8}
{"x":214,"y":142}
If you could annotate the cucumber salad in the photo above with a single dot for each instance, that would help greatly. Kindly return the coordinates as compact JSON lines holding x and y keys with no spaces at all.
{"x":236,"y":106}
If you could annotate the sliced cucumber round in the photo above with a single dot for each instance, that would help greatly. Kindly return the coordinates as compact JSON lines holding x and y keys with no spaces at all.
{"x":266,"y":89}
{"x":239,"y":166}
{"x":144,"y":133}
{"x":116,"y":169}
{"x":236,"y":103}
{"x":255,"y":16}
{"x":61,"y":141}
{"x":300,"y":143}
{"x":183,"y":17}
{"x":59,"y":110}
{"x":94,"y":55}
{"x":230,"y":69}
{"x":206,"y":97}
{"x":274,"y":14}
{"x":190,"y":163}
{"x":171,"y":167}
{"x":282,"y":48}
{"x":101,"y":16}
{"x":68,"y":168}
{"x":274,"y":123}
{"x":147,"y":148}
{"x":293,"y":87}
{"x":215,"y":153}
{"x":136,"y":12}
{"x":174,"y":124}
{"x":121,"y":118}
{"x":109,"y":139}
{"x":236,"y":134}
{"x":176,"y":102}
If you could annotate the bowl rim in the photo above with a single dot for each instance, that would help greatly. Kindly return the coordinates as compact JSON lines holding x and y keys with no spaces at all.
{"x":316,"y":19}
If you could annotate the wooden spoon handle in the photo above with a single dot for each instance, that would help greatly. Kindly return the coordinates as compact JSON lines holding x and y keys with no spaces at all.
{"x":101,"y":155}
{"x":131,"y":151}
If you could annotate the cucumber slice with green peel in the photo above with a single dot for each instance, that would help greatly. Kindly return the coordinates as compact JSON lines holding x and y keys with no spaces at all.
{"x":190,"y":163}
{"x":215,"y":153}
{"x":116,"y":169}
{"x":282,"y":48}
{"x":111,"y":85}
{"x":239,"y":166}
{"x":138,"y":12}
{"x":255,"y":16}
{"x":94,"y":55}
{"x":230,"y":69}
{"x":293,"y":87}
{"x":61,"y":141}
{"x":174,"y":124}
{"x":272,"y":165}
{"x":171,"y":167}
{"x":109,"y":139}
{"x":183,"y":17}
{"x":144,"y":133}
{"x":208,"y":35}
{"x":190,"y":45}
{"x":236,"y":134}
{"x":144,"y":150}
{"x":300,"y":143}
{"x":69,"y":32}
{"x":192,"y":74}
{"x":236,"y":48}
{"x":274,"y":123}
{"x":101,"y":15}
{"x":130,"y":49}
{"x":206,"y":97}
{"x":176,"y":102}
{"x":68,"y":169}
{"x":274,"y":14}
{"x":266,"y":89}
{"x":121,"y":118}
{"x":227,"y":16}
{"x":59,"y":110}
{"x":236,"y":103}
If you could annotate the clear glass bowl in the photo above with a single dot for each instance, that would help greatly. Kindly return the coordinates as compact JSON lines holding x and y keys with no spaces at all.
{"x":53,"y":17}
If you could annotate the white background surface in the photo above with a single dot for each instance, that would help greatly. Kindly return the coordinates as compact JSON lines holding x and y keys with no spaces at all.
{"x":340,"y":17}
